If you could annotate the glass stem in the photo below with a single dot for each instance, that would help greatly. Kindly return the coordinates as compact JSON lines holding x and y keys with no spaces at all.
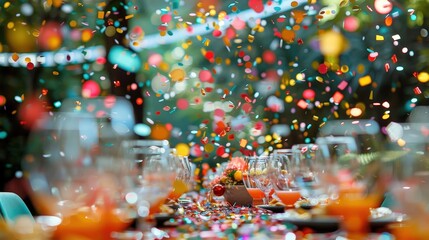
{"x":266,"y":198}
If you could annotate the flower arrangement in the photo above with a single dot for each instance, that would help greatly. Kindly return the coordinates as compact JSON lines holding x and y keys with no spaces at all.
{"x":233,"y":173}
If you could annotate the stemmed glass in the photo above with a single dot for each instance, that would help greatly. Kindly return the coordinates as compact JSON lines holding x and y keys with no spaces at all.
{"x":253,"y":189}
{"x":153,"y":171}
{"x":257,"y":175}
{"x":74,"y":167}
{"x":352,"y":177}
{"x":409,"y":190}
{"x":182,"y":182}
{"x":282,"y":177}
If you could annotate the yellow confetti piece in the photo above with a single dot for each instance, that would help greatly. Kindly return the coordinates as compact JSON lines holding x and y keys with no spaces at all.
{"x":6,"y":4}
{"x":243,"y":143}
{"x":364,"y":81}
{"x":401,"y":142}
{"x":129,"y":16}
{"x":319,"y":79}
{"x":100,"y":14}
{"x":379,"y":38}
{"x":251,"y":38}
{"x":386,"y":116}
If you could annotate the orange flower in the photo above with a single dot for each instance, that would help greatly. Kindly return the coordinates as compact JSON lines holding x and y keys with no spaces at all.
{"x":237,"y":163}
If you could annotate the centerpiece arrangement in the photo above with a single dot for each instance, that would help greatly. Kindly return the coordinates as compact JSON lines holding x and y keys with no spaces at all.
{"x":230,"y":183}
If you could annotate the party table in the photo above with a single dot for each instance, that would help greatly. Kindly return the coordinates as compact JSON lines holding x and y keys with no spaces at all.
{"x":197,"y":218}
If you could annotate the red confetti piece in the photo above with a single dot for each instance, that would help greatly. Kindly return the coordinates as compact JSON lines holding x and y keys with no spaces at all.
{"x":166,"y":18}
{"x":209,"y":55}
{"x":269,"y":56}
{"x":101,"y":60}
{"x":281,"y":19}
{"x":323,"y":69}
{"x":386,"y":67}
{"x":394,"y":58}
{"x":417,"y":91}
{"x":256,"y":5}
{"x":259,"y":125}
{"x":302,"y":104}
{"x":241,"y":54}
{"x":246,"y":97}
{"x":204,"y":140}
{"x":217,"y":33}
{"x":338,"y":97}
{"x":372,"y":56}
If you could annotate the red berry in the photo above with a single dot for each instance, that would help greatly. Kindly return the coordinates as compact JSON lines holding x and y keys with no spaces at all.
{"x":218,"y":189}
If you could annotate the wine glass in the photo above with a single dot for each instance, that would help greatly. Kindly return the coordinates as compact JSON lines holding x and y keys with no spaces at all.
{"x":153,"y":171}
{"x":75,"y":171}
{"x":353,"y":173}
{"x":258,"y":176}
{"x":282,"y":177}
{"x":305,"y":167}
{"x":409,"y":190}
{"x":182,"y":182}
{"x":253,"y":189}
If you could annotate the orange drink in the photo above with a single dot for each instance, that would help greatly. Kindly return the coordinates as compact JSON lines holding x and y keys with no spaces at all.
{"x":288,"y":197}
{"x":255,"y":193}
{"x":90,"y":223}
{"x":355,"y":210}
{"x":179,"y":188}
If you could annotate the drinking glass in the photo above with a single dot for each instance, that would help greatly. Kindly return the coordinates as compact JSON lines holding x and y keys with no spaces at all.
{"x":74,"y":168}
{"x":282,"y":177}
{"x":182,"y":182}
{"x":153,"y":171}
{"x":258,"y":176}
{"x":252,"y":188}
{"x":409,"y":190}
{"x":352,"y":177}
{"x":305,"y":167}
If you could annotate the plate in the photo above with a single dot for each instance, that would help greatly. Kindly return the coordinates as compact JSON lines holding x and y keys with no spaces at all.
{"x":381,"y":223}
{"x":319,"y":224}
{"x":273,"y":208}
{"x":326,"y":224}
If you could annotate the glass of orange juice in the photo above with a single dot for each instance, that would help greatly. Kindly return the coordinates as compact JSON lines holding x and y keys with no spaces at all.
{"x":253,"y":190}
{"x":257,"y":178}
{"x":352,"y":171}
{"x":282,"y":177}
